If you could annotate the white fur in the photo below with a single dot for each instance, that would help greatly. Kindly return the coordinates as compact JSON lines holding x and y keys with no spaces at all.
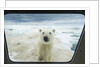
{"x":45,"y":48}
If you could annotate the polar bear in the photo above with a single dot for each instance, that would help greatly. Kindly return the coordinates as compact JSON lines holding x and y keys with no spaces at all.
{"x":46,"y":44}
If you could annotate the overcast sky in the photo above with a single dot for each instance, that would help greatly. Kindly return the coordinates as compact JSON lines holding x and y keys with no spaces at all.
{"x":51,"y":19}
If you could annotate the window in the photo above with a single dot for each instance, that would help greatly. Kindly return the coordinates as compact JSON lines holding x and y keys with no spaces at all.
{"x":33,"y":35}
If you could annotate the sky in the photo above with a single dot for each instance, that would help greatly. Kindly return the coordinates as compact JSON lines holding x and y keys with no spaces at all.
{"x":44,"y":19}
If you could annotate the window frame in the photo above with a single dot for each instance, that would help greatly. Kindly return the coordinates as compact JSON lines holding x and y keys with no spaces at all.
{"x":78,"y":49}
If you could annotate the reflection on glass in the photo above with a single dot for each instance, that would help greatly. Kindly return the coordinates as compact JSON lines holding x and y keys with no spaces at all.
{"x":25,"y":35}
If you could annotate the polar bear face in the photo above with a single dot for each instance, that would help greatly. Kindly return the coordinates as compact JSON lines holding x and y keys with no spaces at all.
{"x":47,"y":36}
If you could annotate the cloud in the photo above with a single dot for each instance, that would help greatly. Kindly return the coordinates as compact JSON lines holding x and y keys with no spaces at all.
{"x":44,"y":19}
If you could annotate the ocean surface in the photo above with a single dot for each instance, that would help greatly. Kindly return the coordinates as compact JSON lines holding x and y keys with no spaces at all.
{"x":69,"y":35}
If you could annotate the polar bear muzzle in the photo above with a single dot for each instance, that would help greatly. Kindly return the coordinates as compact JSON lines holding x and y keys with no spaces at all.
{"x":46,"y":39}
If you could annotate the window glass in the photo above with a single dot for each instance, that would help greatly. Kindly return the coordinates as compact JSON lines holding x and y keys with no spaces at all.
{"x":42,"y":37}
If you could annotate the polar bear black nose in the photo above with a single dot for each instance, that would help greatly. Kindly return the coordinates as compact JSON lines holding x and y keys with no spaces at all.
{"x":46,"y":39}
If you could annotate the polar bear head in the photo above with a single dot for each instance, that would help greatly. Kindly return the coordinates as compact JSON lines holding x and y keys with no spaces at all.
{"x":47,"y":35}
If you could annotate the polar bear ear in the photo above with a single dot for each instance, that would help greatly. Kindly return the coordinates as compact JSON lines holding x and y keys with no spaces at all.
{"x":53,"y":30}
{"x":40,"y":30}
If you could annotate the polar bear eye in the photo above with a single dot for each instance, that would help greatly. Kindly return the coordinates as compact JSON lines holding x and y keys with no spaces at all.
{"x":49,"y":32}
{"x":43,"y":33}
